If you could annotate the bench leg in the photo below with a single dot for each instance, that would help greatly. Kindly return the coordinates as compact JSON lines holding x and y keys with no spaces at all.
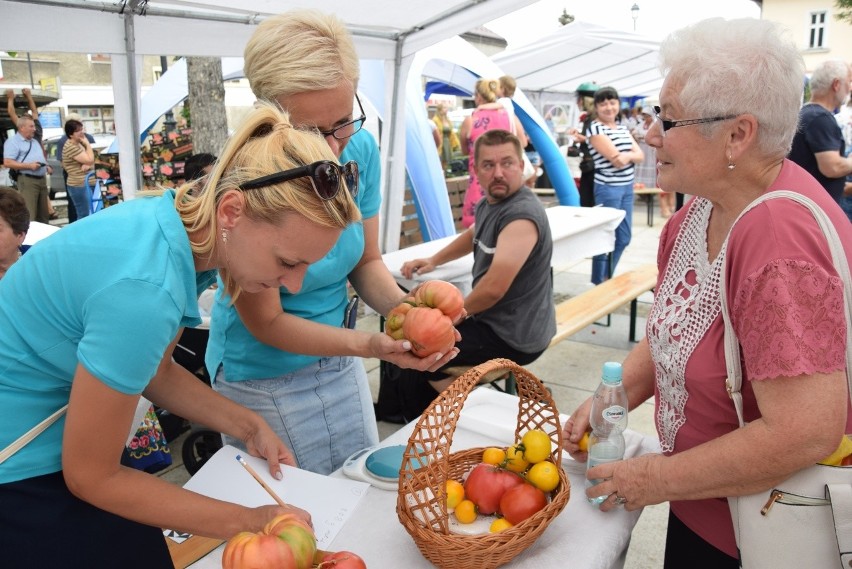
{"x":633,"y":308}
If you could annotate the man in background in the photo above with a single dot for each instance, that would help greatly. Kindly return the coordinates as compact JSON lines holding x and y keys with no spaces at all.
{"x":818,"y":145}
{"x":39,"y":131}
{"x":510,"y":310}
{"x":22,"y":154}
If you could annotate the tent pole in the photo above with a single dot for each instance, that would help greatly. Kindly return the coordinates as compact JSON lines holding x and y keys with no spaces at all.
{"x":130,"y":158}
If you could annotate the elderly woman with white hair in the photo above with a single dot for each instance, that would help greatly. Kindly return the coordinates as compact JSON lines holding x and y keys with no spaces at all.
{"x":726,"y":119}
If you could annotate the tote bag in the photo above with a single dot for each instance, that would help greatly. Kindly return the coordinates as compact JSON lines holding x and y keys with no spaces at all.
{"x":806,"y":520}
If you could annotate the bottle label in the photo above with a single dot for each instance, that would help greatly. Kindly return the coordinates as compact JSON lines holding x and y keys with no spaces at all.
{"x":614,"y":414}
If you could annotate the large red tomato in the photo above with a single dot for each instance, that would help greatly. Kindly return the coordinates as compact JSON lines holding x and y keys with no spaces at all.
{"x":441,"y":295}
{"x":486,"y":484}
{"x":429,"y":331}
{"x":341,"y":560}
{"x":248,"y":550}
{"x":520,"y":502}
{"x":286,"y":542}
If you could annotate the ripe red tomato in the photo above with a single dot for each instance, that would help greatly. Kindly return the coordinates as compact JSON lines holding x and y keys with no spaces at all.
{"x":486,"y":484}
{"x":429,"y":331}
{"x":341,"y":560}
{"x":441,"y":295}
{"x":520,"y":502}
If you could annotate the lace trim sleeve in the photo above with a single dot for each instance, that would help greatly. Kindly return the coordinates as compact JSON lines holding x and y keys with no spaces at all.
{"x":789,"y":318}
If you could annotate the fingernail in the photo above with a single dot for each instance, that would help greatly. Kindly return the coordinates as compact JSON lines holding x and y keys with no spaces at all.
{"x":407,"y":345}
{"x":279,"y":475}
{"x":438,"y":356}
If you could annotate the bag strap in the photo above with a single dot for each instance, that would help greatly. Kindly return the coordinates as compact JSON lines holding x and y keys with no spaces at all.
{"x":732,"y":347}
{"x":27,"y":153}
{"x":24,"y":439}
{"x":840,"y":496}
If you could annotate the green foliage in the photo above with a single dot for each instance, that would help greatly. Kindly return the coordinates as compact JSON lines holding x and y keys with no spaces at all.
{"x":844,"y":10}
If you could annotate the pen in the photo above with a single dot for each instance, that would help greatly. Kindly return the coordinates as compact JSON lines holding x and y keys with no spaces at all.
{"x":254,"y":474}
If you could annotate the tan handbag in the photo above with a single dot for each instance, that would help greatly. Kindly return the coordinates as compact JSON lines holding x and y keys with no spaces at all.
{"x":806,"y":520}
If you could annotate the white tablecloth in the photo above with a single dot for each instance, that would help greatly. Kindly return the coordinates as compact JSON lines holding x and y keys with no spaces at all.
{"x":577,"y":232}
{"x":581,"y":537}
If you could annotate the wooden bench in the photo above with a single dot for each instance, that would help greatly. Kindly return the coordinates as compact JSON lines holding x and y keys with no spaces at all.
{"x":578,"y":312}
{"x":650,"y":192}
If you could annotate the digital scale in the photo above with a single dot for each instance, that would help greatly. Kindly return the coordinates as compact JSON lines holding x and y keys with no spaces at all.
{"x":376,"y":465}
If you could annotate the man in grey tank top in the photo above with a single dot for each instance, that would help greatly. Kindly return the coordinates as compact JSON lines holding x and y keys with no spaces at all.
{"x":510,"y":310}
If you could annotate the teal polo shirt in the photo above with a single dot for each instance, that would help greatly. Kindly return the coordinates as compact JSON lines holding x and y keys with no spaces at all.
{"x":322,"y":297}
{"x":109,"y":292}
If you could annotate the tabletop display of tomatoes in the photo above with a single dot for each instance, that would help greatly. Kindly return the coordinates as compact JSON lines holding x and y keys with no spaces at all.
{"x":513,"y":483}
{"x":426,"y":318}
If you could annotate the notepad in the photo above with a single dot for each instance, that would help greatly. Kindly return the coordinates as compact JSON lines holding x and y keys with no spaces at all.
{"x":329,"y":500}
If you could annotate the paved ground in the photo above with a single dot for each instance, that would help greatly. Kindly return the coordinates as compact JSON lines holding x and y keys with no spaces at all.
{"x":572,"y":370}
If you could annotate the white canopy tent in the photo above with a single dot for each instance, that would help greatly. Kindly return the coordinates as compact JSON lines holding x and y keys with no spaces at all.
{"x":127,"y":29}
{"x":552,"y":67}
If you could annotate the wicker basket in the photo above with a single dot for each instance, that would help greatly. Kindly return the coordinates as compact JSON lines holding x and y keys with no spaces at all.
{"x":422,"y":501}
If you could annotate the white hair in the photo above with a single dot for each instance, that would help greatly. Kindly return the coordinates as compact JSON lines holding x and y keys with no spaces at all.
{"x":824,"y":75}
{"x":728,"y":67}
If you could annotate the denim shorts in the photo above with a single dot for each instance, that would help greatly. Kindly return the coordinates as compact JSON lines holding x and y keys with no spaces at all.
{"x":323,"y":412}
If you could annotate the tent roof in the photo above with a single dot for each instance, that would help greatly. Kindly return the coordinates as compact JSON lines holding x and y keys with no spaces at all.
{"x":580,"y":52}
{"x":222,"y":27}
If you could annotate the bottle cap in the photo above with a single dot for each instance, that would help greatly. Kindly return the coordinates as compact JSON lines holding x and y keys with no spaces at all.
{"x":612,"y":372}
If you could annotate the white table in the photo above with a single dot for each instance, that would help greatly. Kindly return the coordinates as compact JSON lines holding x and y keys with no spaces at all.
{"x":577,"y":232}
{"x":580,"y":537}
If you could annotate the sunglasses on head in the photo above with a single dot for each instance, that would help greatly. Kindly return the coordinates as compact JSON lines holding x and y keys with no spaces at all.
{"x":326,"y":178}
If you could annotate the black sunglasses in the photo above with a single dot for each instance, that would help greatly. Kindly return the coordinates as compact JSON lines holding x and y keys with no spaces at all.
{"x":325,"y":177}
{"x":347,"y":129}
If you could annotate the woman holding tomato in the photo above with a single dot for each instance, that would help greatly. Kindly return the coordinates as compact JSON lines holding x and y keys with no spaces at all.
{"x":718,"y":138}
{"x":81,"y":337}
{"x":283,"y":352}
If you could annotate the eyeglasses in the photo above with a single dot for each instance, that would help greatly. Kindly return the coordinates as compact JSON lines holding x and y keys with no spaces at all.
{"x":668,"y":125}
{"x":325,"y":177}
{"x":347,"y":129}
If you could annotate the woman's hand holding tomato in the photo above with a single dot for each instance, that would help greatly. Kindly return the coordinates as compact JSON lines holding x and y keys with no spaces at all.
{"x":421,"y":319}
{"x":575,"y":429}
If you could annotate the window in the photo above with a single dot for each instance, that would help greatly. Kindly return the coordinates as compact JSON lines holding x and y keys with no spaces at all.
{"x":816,"y":30}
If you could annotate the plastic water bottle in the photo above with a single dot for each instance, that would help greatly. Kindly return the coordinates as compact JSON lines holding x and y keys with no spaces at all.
{"x":608,"y":420}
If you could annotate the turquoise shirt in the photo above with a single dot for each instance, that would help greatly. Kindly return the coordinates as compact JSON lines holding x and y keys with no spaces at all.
{"x":322,"y":297}
{"x":109,"y":292}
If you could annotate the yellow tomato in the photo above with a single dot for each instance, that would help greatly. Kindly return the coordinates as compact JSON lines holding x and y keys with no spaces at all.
{"x":493,"y":455}
{"x":465,"y":512}
{"x":544,"y":476}
{"x":536,"y":445}
{"x":583,"y":443}
{"x":515,"y":460}
{"x":455,"y":493}
{"x":499,"y":525}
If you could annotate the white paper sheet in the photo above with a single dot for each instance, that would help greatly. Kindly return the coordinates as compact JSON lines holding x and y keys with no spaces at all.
{"x":330,"y":501}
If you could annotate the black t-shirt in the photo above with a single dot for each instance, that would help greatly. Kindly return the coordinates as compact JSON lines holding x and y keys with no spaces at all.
{"x":818,"y":132}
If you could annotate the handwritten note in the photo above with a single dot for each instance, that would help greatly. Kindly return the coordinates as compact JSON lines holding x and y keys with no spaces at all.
{"x":329,"y":500}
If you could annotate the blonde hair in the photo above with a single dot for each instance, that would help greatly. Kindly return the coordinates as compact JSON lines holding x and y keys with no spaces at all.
{"x":487,"y":89}
{"x":508,"y":86}
{"x":300,"y":51}
{"x":265,"y":143}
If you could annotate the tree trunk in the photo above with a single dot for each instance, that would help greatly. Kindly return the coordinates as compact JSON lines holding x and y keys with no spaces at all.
{"x":207,"y":100}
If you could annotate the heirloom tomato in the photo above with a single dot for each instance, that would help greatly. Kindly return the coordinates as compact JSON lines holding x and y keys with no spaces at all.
{"x":393,"y":323}
{"x":429,"y":331}
{"x":544,"y":476}
{"x":486,"y":484}
{"x":441,"y":295}
{"x":521,"y":502}
{"x":285,"y":542}
{"x":515,"y":460}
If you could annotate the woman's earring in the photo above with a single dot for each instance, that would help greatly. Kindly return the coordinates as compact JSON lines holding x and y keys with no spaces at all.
{"x":731,"y":164}
{"x":224,"y":236}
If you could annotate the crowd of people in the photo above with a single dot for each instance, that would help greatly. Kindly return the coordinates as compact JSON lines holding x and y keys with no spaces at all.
{"x":284,"y":226}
